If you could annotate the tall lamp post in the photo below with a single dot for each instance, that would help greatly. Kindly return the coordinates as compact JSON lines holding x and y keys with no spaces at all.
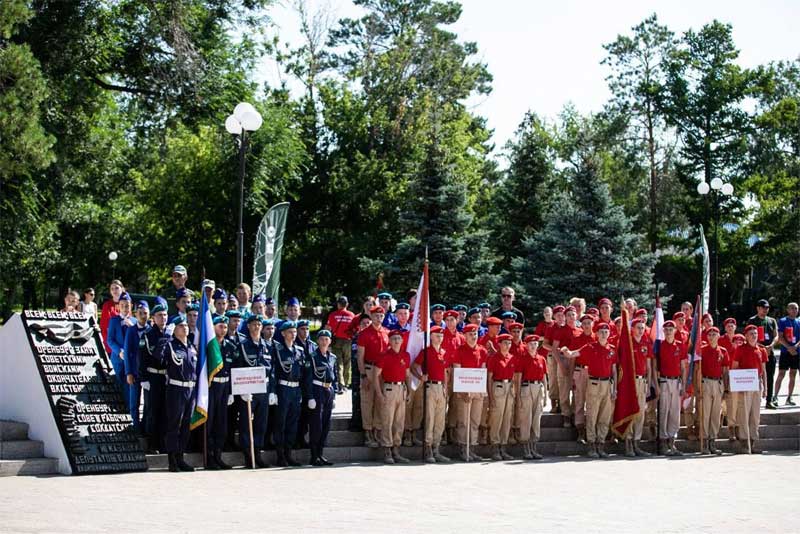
{"x":244,"y":119}
{"x":112,"y":256}
{"x":718,"y":191}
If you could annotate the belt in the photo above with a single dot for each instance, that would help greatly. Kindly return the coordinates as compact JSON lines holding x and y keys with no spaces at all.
{"x":393,"y":383}
{"x":155,"y":371}
{"x":712,"y":378}
{"x":173,"y":382}
{"x":601,"y":378}
{"x":579,"y":367}
{"x":287,"y":383}
{"x":322,"y":384}
{"x":368,"y":365}
{"x":670,"y":377}
{"x":506,"y":381}
{"x":641,"y":376}
{"x":432,"y":382}
{"x":221,"y":379}
{"x":531,"y":382}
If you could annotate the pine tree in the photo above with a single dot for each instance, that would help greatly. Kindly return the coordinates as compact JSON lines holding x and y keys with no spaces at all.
{"x":587,"y":248}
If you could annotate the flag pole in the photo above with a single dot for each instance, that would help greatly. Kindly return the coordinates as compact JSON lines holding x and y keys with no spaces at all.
{"x":658,"y":388}
{"x":424,"y":370}
{"x":699,"y":402}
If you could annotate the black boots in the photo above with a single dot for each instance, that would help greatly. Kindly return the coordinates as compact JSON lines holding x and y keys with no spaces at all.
{"x":177,"y":463}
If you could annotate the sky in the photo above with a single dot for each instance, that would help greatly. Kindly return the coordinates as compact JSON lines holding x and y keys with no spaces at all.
{"x":544,"y":55}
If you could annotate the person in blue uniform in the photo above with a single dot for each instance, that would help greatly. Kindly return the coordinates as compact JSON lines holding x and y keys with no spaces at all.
{"x":234,"y":317}
{"x":462,"y":316}
{"x":179,"y":357}
{"x":153,"y":376}
{"x":385,"y":301}
{"x":474,"y":317}
{"x":319,"y":391}
{"x":253,"y":352}
{"x":290,"y":365}
{"x":508,"y":319}
{"x":220,"y":298}
{"x":256,"y":309}
{"x":219,"y":398}
{"x":134,"y":338}
{"x":292,"y":314}
{"x":183,"y":299}
{"x":305,"y":342}
{"x":437,"y":315}
{"x":117,"y":327}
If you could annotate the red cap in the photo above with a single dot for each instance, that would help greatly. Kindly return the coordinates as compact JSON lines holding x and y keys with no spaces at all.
{"x":604,"y":301}
{"x":494,"y":321}
{"x":678,"y":315}
{"x":750,"y":327}
{"x":570,"y":308}
{"x":587,"y":316}
{"x":603,"y":326}
{"x":504,"y":337}
{"x":637,"y":321}
{"x":559,"y":309}
{"x":451,"y":313}
{"x":377,"y":309}
{"x":515,"y":326}
{"x":706,"y":316}
{"x":532,"y":337}
{"x":729,"y":320}
{"x":470,"y":328}
{"x":713,"y":329}
{"x":437,"y":330}
{"x":396,"y":333}
{"x":669,"y":324}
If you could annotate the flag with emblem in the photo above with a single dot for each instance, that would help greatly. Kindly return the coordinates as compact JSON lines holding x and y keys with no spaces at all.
{"x":420,"y":322}
{"x":209,"y":362}
{"x":626,"y":406}
{"x":695,"y":340}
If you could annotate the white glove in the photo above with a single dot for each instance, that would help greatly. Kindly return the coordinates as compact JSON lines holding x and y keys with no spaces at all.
{"x":230,"y":400}
{"x":312,"y":404}
{"x":334,"y":405}
{"x":146,"y":386}
{"x":273,"y":399}
{"x":247,"y":397}
{"x":169,"y":329}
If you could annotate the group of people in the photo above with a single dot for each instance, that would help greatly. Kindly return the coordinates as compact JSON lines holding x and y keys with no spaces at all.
{"x":570,"y":357}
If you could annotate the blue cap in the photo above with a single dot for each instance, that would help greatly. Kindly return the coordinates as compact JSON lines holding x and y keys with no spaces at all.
{"x":179,"y":319}
{"x":233,"y":313}
{"x":403,"y":306}
{"x":286,"y":325}
{"x":158,"y":308}
{"x":438,"y":307}
{"x":221,"y":319}
{"x":485,"y":306}
{"x":473,"y":311}
{"x":324,"y":333}
{"x":508,"y":315}
{"x":385,"y":295}
{"x":219,"y":294}
{"x":253,"y":318}
{"x":303,"y":322}
{"x":258,"y":298}
{"x":460,"y":308}
{"x":182,"y":292}
{"x":125,"y":296}
{"x":293,"y":302}
{"x":142,"y":305}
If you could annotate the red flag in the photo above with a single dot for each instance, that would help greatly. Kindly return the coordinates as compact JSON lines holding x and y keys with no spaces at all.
{"x":378,"y":285}
{"x":627,"y":406}
{"x":420,"y":321}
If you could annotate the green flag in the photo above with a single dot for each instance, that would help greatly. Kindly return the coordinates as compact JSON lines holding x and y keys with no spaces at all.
{"x":269,"y":249}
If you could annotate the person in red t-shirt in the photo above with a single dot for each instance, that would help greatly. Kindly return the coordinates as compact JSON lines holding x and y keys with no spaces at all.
{"x":372,"y":342}
{"x":605,"y":308}
{"x":554,"y":337}
{"x":541,"y":330}
{"x":392,"y":379}
{"x":452,"y":340}
{"x":531,"y":371}
{"x":642,"y":360}
{"x":714,"y":369}
{"x":580,"y":376}
{"x":109,"y":310}
{"x":339,"y":324}
{"x":750,"y":356}
{"x":473,"y":356}
{"x":501,"y":397}
{"x":601,"y":360}
{"x":490,"y":343}
{"x":729,"y":401}
{"x":671,"y":375}
{"x":562,"y":336}
{"x":433,"y":365}
{"x":518,"y":350}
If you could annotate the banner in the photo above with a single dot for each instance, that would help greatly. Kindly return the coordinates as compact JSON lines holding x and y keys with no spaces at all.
{"x":469,"y":380}
{"x":706,"y":272}
{"x":269,"y":250}
{"x":744,"y":380}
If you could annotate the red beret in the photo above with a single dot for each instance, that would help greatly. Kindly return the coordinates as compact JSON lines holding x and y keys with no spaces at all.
{"x":729,"y":320}
{"x":669,"y":324}
{"x":377,"y":309}
{"x":587,"y":316}
{"x":713,"y":329}
{"x":678,"y":315}
{"x":493,"y":321}
{"x":738,"y":337}
{"x":515,"y":326}
{"x":604,"y":301}
{"x":437,"y":330}
{"x":637,"y":321}
{"x":603,"y":326}
{"x":451,"y":313}
{"x":593,"y":311}
{"x":570,"y":308}
{"x":396,"y":333}
{"x":558,"y":309}
{"x":470,"y":328}
{"x":750,"y":327}
{"x":504,"y":337}
{"x":532,"y":337}
{"x":706,"y":316}
{"x":640,"y":312}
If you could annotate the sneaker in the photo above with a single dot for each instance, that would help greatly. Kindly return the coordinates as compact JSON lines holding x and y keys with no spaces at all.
{"x":790,"y":402}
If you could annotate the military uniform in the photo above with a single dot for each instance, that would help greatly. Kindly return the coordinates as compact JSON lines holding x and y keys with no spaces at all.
{"x":153,"y":375}
{"x":304,"y":421}
{"x":671,"y":356}
{"x":470,"y":405}
{"x":749,"y":410}
{"x":219,"y":398}
{"x":375,"y":342}
{"x":501,"y":369}
{"x":600,"y":360}
{"x":533,"y":371}
{"x":391,"y":371}
{"x":714,"y":367}
{"x":290,"y":367}
{"x":320,"y":385}
{"x":134,"y":338}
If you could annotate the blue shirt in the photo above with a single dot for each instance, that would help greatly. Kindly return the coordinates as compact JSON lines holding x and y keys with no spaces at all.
{"x":134,"y":338}
{"x":794,"y":324}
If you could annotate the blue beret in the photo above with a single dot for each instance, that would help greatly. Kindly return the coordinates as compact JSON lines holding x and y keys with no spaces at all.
{"x":286,"y":325}
{"x":269,"y":300}
{"x":182,"y":292}
{"x":484,"y":305}
{"x":253,"y":318}
{"x":438,"y":307}
{"x":158,"y":308}
{"x":267,"y":322}
{"x":258,"y":298}
{"x":473,"y":311}
{"x":193,"y":307}
{"x":220,"y":320}
{"x":509,"y":315}
{"x":162,"y":301}
{"x":403,"y":306}
{"x":293,"y":302}
{"x":385,"y":295}
{"x":142,"y":305}
{"x":323,"y":333}
{"x":303,"y":322}
{"x":125,"y":296}
{"x":219,"y":294}
{"x":460,"y":307}
{"x":233,"y":313}
{"x":179,"y":319}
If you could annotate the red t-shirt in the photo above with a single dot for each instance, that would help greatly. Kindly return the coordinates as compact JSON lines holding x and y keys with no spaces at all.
{"x":532,"y":367}
{"x":541,"y":331}
{"x":613,"y":331}
{"x":518,"y":349}
{"x":599,"y":359}
{"x":670,"y":356}
{"x":577,"y":343}
{"x":727,"y":344}
{"x":108,"y":311}
{"x":484,"y":341}
{"x":375,"y":342}
{"x":435,"y":363}
{"x":642,"y":351}
{"x":469,"y":357}
{"x":714,"y":359}
{"x":749,"y":357}
{"x":394,"y":365}
{"x":452,"y":341}
{"x":339,"y":323}
{"x":502,"y":367}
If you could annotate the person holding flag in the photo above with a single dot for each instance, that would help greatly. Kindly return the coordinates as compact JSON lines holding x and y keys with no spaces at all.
{"x":643,"y":370}
{"x":219,"y":396}
{"x":671,"y":376}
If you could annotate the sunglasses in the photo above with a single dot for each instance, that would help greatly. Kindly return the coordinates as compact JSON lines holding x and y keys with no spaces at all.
{"x":507,"y":296}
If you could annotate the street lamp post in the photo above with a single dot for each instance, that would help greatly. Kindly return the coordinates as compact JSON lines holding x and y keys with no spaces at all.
{"x":718,"y":190}
{"x":112,"y":256}
{"x":244,"y":119}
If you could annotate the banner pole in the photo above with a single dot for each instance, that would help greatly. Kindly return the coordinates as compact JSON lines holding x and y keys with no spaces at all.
{"x":469,"y":423}
{"x":250,"y":427}
{"x":700,"y":404}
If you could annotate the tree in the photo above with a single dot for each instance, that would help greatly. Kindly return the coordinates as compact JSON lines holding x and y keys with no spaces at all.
{"x":587,"y":247}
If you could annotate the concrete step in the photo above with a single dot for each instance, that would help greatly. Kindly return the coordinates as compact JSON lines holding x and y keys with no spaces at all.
{"x":21,"y":449}
{"x":764,"y":432}
{"x":30,"y":466}
{"x":13,"y":431}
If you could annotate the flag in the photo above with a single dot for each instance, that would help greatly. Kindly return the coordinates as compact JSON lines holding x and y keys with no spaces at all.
{"x":420,"y":322}
{"x":269,"y":251}
{"x":378,"y":285}
{"x":209,"y":363}
{"x":694,"y":350}
{"x":626,"y":407}
{"x":706,"y":271}
{"x":657,"y":329}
